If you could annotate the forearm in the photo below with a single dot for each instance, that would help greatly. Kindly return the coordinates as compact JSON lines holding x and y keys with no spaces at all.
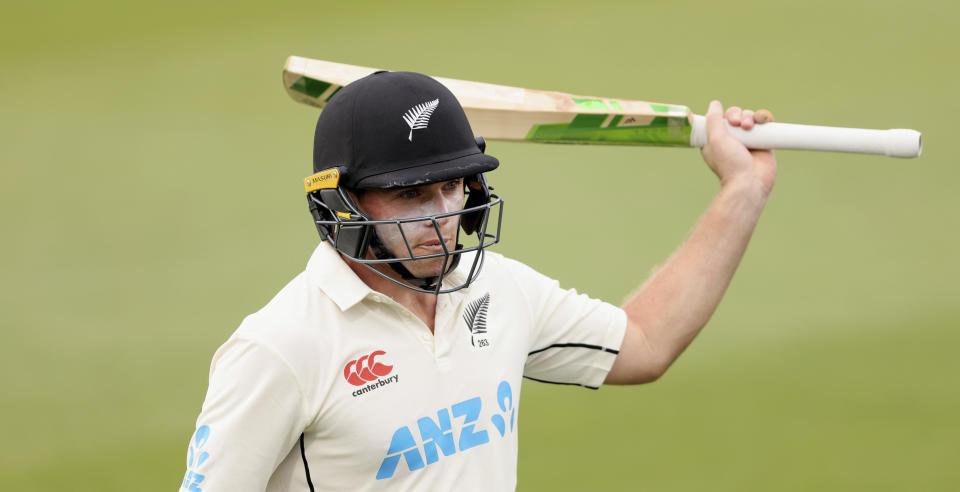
{"x":676,"y":302}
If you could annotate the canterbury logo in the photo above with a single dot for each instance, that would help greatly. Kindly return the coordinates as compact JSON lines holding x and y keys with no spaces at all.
{"x":475,"y":316}
{"x":418,"y":116}
{"x":359,"y":372}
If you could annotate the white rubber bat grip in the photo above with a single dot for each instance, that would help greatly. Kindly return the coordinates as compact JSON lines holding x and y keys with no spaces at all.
{"x":894,"y":143}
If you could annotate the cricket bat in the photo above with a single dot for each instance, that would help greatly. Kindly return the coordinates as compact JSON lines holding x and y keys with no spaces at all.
{"x":513,"y":113}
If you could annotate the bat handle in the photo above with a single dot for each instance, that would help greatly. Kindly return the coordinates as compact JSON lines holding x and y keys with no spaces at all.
{"x":894,"y":143}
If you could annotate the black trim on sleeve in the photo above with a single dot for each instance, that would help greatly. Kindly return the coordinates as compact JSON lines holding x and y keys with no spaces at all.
{"x":557,"y":382}
{"x":580,"y":345}
{"x":306,"y":467}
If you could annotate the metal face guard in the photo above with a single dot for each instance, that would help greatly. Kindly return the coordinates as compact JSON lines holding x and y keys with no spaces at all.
{"x":351,"y":233}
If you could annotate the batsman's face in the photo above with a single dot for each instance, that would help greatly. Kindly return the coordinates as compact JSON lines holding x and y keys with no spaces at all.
{"x":422,"y":237}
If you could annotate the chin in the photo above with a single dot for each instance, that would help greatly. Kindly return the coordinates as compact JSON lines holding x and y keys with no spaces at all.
{"x":426,"y":268}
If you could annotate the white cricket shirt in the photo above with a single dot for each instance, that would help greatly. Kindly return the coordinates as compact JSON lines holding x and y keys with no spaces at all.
{"x":334,"y":386}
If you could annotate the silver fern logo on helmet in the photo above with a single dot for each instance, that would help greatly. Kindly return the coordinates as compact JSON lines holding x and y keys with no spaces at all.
{"x":418,"y":117}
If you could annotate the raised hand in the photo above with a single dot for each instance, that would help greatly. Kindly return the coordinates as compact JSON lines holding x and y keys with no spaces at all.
{"x":729,"y":159}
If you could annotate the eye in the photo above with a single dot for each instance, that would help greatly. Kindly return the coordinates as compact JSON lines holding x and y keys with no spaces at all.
{"x":454,"y":184}
{"x":408,"y":193}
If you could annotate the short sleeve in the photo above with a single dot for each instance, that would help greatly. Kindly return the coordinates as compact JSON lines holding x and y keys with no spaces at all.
{"x":252,"y":416}
{"x":574,"y":339}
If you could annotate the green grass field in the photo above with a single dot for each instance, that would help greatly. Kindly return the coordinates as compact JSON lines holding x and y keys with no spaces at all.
{"x":151,"y":198}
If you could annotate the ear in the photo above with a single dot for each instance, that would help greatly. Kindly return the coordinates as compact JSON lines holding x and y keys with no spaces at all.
{"x":354,"y":197}
{"x":478,"y":194}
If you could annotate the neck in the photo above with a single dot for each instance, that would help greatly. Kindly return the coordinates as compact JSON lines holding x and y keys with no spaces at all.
{"x":424,"y":306}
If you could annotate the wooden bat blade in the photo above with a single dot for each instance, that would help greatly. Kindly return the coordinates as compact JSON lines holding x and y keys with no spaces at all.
{"x":512,"y":113}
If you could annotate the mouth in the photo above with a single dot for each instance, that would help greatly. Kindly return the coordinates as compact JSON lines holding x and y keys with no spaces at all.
{"x":434,"y":245}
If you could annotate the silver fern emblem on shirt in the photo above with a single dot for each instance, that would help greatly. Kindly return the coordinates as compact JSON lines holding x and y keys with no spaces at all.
{"x":475,"y":316}
{"x":418,"y":116}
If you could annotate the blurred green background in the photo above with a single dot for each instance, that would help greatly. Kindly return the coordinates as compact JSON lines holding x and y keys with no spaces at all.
{"x":151,"y":198}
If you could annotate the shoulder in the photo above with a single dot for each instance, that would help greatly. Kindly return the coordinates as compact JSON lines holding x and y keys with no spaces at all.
{"x":295,"y":312}
{"x":299,"y":326}
{"x":509,"y":279}
{"x":503,"y":271}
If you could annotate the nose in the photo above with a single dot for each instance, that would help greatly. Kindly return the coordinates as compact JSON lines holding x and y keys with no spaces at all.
{"x":443,"y":204}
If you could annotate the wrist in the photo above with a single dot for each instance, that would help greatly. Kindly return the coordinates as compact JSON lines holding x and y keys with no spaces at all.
{"x":745,"y":195}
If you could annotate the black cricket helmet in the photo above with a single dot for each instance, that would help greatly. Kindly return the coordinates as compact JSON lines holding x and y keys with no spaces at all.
{"x":398,"y":130}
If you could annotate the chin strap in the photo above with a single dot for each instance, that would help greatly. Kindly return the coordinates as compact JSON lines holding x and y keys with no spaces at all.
{"x":382,"y":253}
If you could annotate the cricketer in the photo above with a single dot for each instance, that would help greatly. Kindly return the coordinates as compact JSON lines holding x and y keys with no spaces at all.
{"x":394,"y":361}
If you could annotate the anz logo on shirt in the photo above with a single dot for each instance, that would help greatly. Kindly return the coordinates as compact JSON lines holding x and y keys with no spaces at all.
{"x":196,"y":456}
{"x":437,"y":434}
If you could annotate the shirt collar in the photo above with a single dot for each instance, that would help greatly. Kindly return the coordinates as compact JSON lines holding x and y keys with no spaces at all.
{"x":459,"y":275}
{"x":330,"y":272}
